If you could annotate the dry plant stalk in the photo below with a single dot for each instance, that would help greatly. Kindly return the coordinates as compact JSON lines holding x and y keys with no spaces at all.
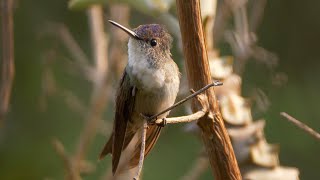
{"x":118,"y":55}
{"x":99,"y":94}
{"x":71,"y":174}
{"x":217,"y":142}
{"x":7,"y":74}
{"x":75,"y":164}
{"x":301,"y":125}
{"x":256,"y":158}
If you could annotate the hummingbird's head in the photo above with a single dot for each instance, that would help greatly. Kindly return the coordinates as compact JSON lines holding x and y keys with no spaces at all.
{"x":154,"y":37}
{"x":150,"y":42}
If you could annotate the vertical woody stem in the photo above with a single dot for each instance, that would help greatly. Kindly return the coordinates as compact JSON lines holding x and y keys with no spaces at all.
{"x":99,"y":94}
{"x":7,"y":72}
{"x":217,"y":142}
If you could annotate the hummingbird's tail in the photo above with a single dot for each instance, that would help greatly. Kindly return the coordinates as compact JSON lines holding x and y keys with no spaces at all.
{"x":107,"y":149}
{"x":153,"y":133}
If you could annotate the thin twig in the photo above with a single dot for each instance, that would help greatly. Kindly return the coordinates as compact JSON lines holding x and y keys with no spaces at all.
{"x":216,"y":83}
{"x":223,"y":14}
{"x":70,"y":43}
{"x":70,"y":170}
{"x":181,"y":119}
{"x":73,"y":102}
{"x":203,"y":104}
{"x":50,"y":87}
{"x":99,"y":94}
{"x":142,"y":151}
{"x":301,"y":125}
{"x":81,"y":60}
{"x":99,"y":40}
{"x":118,"y":56}
{"x":7,"y":74}
{"x":256,"y":14}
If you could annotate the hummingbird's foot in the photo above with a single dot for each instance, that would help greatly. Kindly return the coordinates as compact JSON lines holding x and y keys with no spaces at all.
{"x":163,"y":122}
{"x":159,"y":122}
{"x":147,"y":118}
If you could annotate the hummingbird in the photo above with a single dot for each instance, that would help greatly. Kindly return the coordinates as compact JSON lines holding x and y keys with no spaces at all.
{"x":149,"y":84}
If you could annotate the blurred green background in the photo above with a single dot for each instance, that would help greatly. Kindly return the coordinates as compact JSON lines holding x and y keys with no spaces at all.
{"x":290,"y":29}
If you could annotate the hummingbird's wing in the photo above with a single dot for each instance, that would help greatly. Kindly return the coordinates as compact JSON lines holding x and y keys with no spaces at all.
{"x":122,"y":135}
{"x":125,"y":100}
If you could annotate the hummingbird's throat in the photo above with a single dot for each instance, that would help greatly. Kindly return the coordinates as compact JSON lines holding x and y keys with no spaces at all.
{"x":143,"y":71}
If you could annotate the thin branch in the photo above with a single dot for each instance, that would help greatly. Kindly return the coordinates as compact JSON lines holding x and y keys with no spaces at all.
{"x":99,"y":40}
{"x":243,"y":40}
{"x":78,"y":55}
{"x":118,"y":56}
{"x":181,"y":119}
{"x":217,"y":83}
{"x":223,"y":14}
{"x":256,"y":14}
{"x":99,"y":94}
{"x":73,"y":102}
{"x":301,"y":125}
{"x":203,"y":106}
{"x":50,"y":87}
{"x":71,"y":174}
{"x":7,"y":74}
{"x":142,"y":151}
{"x":208,"y":13}
{"x":70,"y":43}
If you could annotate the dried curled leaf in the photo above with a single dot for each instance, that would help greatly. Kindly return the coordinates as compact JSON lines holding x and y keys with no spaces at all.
{"x":232,"y":84}
{"x":243,"y":138}
{"x":264,"y":154}
{"x":221,"y":67}
{"x":235,"y":110}
{"x":278,"y":173}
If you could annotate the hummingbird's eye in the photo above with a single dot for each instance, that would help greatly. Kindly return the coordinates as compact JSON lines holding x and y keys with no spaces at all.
{"x":153,"y":42}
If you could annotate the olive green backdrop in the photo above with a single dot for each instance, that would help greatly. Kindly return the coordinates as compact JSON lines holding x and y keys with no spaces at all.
{"x":290,"y":28}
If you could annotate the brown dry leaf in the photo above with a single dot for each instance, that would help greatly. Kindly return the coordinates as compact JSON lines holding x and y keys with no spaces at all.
{"x":278,"y":173}
{"x":264,"y":154}
{"x":232,"y":84}
{"x":221,"y":67}
{"x":235,"y":109}
{"x":243,"y":138}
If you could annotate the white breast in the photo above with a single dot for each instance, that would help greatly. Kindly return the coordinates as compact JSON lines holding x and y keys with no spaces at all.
{"x":149,"y":78}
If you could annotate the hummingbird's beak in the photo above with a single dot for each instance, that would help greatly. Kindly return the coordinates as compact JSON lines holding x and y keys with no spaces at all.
{"x":130,"y":32}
